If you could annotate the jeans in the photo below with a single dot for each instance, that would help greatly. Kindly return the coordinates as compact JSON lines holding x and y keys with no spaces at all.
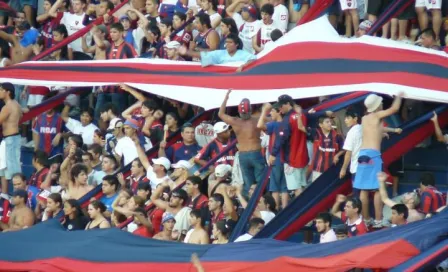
{"x":253,"y":168}
{"x":118,"y":99}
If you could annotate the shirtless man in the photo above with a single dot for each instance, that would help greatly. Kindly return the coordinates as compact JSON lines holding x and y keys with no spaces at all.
{"x":78,"y":186}
{"x":369,"y":159}
{"x":252,"y":162}
{"x":9,"y":119}
{"x":197,"y":235}
{"x":168,"y":222}
{"x":21,"y":217}
{"x":22,"y":44}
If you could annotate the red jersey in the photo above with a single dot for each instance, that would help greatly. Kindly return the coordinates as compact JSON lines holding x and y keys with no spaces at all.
{"x":356,"y":228}
{"x":5,"y":210}
{"x":47,"y":29}
{"x":38,"y":178}
{"x":183,"y":37}
{"x":135,"y":182}
{"x":215,"y":147}
{"x":292,"y":141}
{"x":326,"y":147}
{"x":143,"y":231}
{"x":38,"y":90}
{"x":156,"y":219}
{"x":122,"y":51}
{"x":431,"y":200}
{"x":199,"y":202}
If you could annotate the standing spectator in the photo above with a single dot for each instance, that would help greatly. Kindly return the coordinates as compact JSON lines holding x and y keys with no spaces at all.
{"x":351,"y":215}
{"x":21,"y":216}
{"x":281,"y":15}
{"x":184,"y":150}
{"x":328,"y":145}
{"x":197,"y":199}
{"x":370,"y":162}
{"x":350,"y":9}
{"x":40,"y":163}
{"x":183,"y":37}
{"x":85,"y":128}
{"x":431,"y":198}
{"x":277,"y":182}
{"x":247,"y":23}
{"x":109,"y":114}
{"x":352,"y":144}
{"x":96,"y":150}
{"x":215,"y":206}
{"x":137,"y":176}
{"x":125,"y":149}
{"x":152,"y":10}
{"x":110,"y":191}
{"x":197,"y":235}
{"x":263,"y":35}
{"x":48,"y":22}
{"x":10,"y":115}
{"x":19,"y":183}
{"x":323,"y":226}
{"x":292,"y":141}
{"x":77,"y":186}
{"x":208,"y":38}
{"x":145,"y":228}
{"x":255,"y":225}
{"x":434,"y":7}
{"x":228,"y":26}
{"x":91,"y":173}
{"x":251,"y":159}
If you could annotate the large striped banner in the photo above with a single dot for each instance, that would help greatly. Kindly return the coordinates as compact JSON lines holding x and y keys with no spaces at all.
{"x":309,"y":61}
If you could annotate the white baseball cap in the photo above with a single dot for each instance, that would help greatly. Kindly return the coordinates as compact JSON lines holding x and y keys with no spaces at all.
{"x":372,"y":102}
{"x":220,"y":127}
{"x":222,"y":169}
{"x":114,"y":123}
{"x":162,"y":161}
{"x":172,"y":45}
{"x":183,"y":164}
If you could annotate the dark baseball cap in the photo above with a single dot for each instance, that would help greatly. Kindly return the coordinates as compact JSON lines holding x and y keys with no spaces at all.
{"x":21,"y":193}
{"x":7,"y":86}
{"x":284,"y":99}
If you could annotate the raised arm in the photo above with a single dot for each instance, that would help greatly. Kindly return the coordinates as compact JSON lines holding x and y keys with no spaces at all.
{"x":437,"y":130}
{"x":127,"y":114}
{"x":393,"y":109}
{"x":382,"y":177}
{"x":335,"y":211}
{"x":222,"y":111}
{"x":53,"y":12}
{"x":139,"y":96}
{"x":155,"y":198}
{"x":262,"y":120}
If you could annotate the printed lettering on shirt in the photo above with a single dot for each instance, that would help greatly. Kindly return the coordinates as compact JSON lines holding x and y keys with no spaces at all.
{"x":48,"y":130}
{"x":204,"y":132}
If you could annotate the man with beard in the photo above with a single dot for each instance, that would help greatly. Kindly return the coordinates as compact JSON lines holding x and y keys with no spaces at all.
{"x":252,"y":162}
{"x":323,"y":226}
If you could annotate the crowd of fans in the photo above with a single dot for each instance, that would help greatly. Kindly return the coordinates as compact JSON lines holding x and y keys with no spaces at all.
{"x":93,"y":137}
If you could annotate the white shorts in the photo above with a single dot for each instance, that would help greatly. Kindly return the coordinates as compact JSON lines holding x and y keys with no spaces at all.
{"x":348,"y":4}
{"x":295,"y":177}
{"x":429,"y":4}
{"x":34,"y":99}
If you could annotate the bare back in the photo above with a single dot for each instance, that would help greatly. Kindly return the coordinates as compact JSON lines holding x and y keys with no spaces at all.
{"x":199,"y":237}
{"x":247,"y":134}
{"x":372,"y":132}
{"x":14,"y":114}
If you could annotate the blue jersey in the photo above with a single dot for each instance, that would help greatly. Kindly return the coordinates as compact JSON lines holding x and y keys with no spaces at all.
{"x":180,"y":151}
{"x":47,"y":127}
{"x":107,"y":201}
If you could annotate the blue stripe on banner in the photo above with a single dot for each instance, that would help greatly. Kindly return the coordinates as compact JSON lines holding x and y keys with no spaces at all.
{"x":86,"y":198}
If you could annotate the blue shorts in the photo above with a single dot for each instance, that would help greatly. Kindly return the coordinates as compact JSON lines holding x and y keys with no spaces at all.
{"x":369,"y":165}
{"x":13,"y":165}
{"x":277,"y":182}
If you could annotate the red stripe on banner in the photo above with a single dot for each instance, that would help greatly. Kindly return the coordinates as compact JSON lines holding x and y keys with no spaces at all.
{"x":422,"y":262}
{"x":336,"y":101}
{"x":413,"y":139}
{"x":352,"y":51}
{"x":246,"y":82}
{"x":363,"y":257}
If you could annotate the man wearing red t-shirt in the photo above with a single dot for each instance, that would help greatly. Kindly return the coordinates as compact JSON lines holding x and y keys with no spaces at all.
{"x":351,"y":215}
{"x":292,"y":140}
{"x":145,"y":227}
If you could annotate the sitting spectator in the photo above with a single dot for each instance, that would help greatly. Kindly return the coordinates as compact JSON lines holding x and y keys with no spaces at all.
{"x":323,"y":226}
{"x":431,"y":198}
{"x":98,"y":221}
{"x":197,"y":233}
{"x":145,"y":228}
{"x":54,"y":207}
{"x":351,"y":215}
{"x":21,"y":217}
{"x":85,"y":127}
{"x":19,"y":183}
{"x":168,"y":222}
{"x":221,"y":231}
{"x":74,"y":217}
{"x":255,"y":225}
{"x":110,"y":192}
{"x":266,"y":208}
{"x":399,"y":215}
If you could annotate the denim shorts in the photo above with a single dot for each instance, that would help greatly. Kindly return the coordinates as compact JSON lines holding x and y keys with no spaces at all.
{"x":12,"y":156}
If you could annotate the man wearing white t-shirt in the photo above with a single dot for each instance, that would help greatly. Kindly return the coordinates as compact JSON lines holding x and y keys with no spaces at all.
{"x":268,"y":25}
{"x":74,"y":22}
{"x":281,"y":15}
{"x":255,"y":225}
{"x":125,"y":148}
{"x":352,"y":144}
{"x":247,"y":22}
{"x":84,"y":127}
{"x":266,"y":208}
{"x":323,"y":226}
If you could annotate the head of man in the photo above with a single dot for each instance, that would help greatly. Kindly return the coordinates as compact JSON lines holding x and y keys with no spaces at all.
{"x":19,"y":197}
{"x":427,"y":180}
{"x":78,"y":174}
{"x":165,"y":26}
{"x":428,"y":37}
{"x":144,"y":190}
{"x":286,"y":103}
{"x":168,"y":221}
{"x":363,"y":28}
{"x":87,"y":159}
{"x":325,"y":123}
{"x":351,"y":118}
{"x":116,"y":32}
{"x":341,"y":232}
{"x":193,"y":186}
{"x":86,"y":116}
{"x":245,"y":109}
{"x":40,"y":159}
{"x":221,"y":131}
{"x":131,"y":127}
{"x":141,"y":212}
{"x":249,"y":13}
{"x":104,"y":7}
{"x":202,"y":22}
{"x":110,"y":185}
{"x":96,"y":150}
{"x":215,"y":203}
{"x":187,"y":133}
{"x":151,"y":6}
{"x":178,"y":198}
{"x":109,"y":164}
{"x":126,"y":22}
{"x":7,"y":91}
{"x":373,"y":103}
{"x":195,"y":218}
{"x":233,"y":43}
{"x":179,"y":19}
{"x":108,"y":112}
{"x":267,"y":10}
{"x":148,"y":108}
{"x":323,"y":222}
{"x":78,"y":6}
{"x":222,"y":172}
{"x":137,"y":169}
{"x":161,"y":166}
{"x":171,"y":49}
{"x":19,"y":181}
{"x":255,"y":225}
{"x":411,"y":200}
{"x":399,"y":214}
{"x":353,"y":207}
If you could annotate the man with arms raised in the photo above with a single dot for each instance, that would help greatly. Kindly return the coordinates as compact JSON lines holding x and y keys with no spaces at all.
{"x":252,"y":162}
{"x":369,"y":159}
{"x":10,"y":146}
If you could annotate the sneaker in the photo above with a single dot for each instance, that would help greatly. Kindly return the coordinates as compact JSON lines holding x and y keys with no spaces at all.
{"x":368,"y":222}
{"x":377,"y":224}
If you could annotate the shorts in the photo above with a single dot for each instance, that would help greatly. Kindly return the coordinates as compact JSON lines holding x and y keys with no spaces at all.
{"x":315,"y":175}
{"x":407,"y":14}
{"x":34,"y":99}
{"x":12,"y":157}
{"x":376,"y":7}
{"x":349,"y":4}
{"x":334,"y":9}
{"x":277,"y":182}
{"x":429,"y":4}
{"x":369,"y":165}
{"x":295,"y":177}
